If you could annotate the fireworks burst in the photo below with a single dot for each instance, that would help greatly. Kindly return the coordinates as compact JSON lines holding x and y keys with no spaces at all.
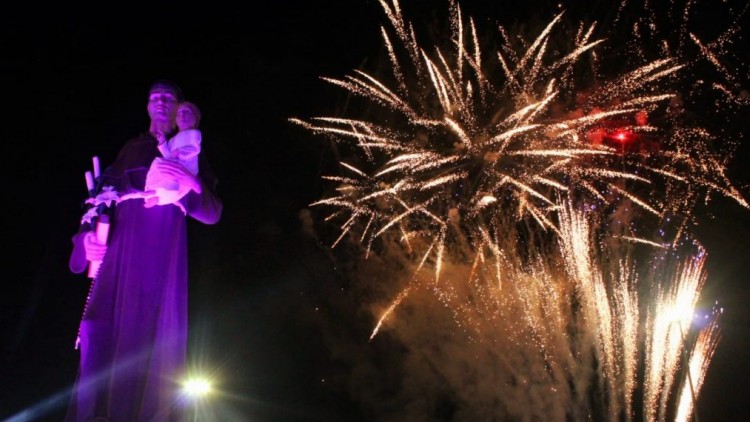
{"x":500,"y":174}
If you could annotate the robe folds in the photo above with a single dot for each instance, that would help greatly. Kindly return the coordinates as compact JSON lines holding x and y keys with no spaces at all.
{"x":133,"y":333}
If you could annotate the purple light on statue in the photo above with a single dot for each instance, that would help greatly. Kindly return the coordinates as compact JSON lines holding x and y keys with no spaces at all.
{"x":95,"y":160}
{"x":89,"y":182}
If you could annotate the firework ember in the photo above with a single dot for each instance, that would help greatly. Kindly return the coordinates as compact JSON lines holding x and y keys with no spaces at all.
{"x":519,"y":180}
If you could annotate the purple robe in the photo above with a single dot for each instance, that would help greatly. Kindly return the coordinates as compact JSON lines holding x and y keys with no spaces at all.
{"x":133,"y":334}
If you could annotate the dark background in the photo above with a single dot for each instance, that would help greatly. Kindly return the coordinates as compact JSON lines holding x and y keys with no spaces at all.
{"x":73,"y":84}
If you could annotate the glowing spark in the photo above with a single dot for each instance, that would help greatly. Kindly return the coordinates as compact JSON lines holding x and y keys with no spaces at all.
{"x":401,"y":296}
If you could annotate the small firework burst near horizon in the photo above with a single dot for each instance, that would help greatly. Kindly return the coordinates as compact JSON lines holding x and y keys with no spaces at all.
{"x":522,"y":179}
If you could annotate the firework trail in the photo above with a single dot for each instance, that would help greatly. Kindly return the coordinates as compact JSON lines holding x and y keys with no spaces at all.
{"x":703,"y":351}
{"x":507,"y":177}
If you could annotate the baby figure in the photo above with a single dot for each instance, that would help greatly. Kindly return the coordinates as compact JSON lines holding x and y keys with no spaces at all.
{"x":184,"y":148}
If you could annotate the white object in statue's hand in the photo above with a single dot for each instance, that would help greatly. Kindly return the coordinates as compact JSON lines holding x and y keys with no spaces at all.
{"x":95,"y":244}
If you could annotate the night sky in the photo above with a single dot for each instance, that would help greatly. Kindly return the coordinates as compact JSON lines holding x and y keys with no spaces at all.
{"x":271,"y":310}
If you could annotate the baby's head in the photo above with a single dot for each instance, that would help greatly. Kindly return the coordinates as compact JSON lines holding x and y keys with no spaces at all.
{"x":188,"y":116}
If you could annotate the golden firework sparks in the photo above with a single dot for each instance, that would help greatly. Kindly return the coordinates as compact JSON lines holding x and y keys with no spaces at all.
{"x":507,"y":177}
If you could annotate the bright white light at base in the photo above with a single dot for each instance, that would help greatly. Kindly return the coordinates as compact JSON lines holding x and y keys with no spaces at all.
{"x":196,"y":387}
{"x":680,"y":314}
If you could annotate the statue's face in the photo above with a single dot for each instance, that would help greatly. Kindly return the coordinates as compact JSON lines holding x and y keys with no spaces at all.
{"x":186,"y":118}
{"x":162,"y":105}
